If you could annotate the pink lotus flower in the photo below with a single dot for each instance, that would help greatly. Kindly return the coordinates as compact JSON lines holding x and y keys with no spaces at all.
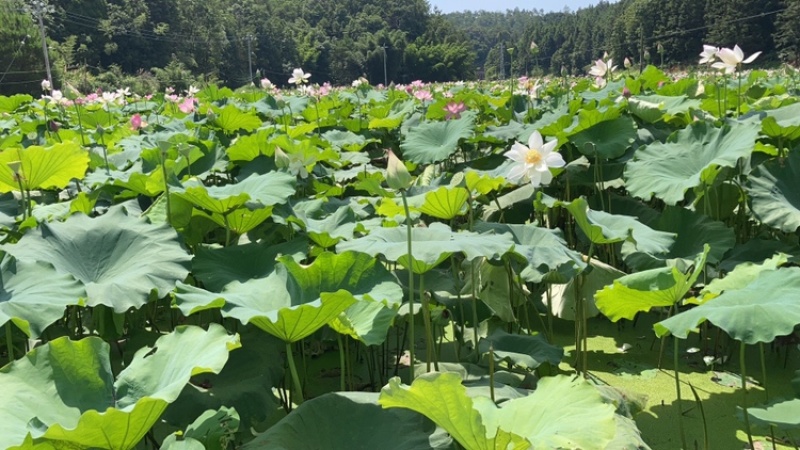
{"x":423,"y":95}
{"x":137,"y":123}
{"x":453,"y":110}
{"x":187,"y":105}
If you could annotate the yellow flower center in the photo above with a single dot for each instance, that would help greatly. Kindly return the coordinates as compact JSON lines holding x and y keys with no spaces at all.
{"x":533,"y":157}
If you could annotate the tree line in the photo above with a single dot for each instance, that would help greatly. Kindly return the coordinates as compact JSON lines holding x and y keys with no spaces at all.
{"x":149,"y":44}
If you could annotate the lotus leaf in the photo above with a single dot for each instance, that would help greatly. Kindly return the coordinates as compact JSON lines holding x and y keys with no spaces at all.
{"x":529,"y":351}
{"x":775,"y":192}
{"x":642,"y":291}
{"x":432,"y":142}
{"x":430,"y":245}
{"x":690,"y":158}
{"x":759,"y":312}
{"x":28,"y":302}
{"x":63,"y":394}
{"x":43,"y":168}
{"x":336,"y":421}
{"x":119,"y":259}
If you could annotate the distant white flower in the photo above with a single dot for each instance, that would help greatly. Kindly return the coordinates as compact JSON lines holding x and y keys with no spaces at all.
{"x":299,"y":77}
{"x":266,"y":84}
{"x":126,"y":92}
{"x":730,"y":60}
{"x":46,"y":85}
{"x":602,"y":69}
{"x":532,"y":163}
{"x":192,"y":91}
{"x":709,"y":54}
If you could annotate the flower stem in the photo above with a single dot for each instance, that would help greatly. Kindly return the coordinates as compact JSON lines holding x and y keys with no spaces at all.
{"x":295,"y":377}
{"x":410,"y":269}
{"x":678,"y":393}
{"x":744,"y":393}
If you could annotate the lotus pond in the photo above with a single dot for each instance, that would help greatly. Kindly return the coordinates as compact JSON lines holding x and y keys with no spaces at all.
{"x":454,"y":266}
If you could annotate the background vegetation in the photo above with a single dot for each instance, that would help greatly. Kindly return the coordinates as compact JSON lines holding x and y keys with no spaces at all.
{"x":98,"y":43}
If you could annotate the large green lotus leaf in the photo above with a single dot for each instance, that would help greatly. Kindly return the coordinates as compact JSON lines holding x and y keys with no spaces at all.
{"x":366,"y":321}
{"x":63,"y":395}
{"x":442,"y":398}
{"x":217,"y":267}
{"x":432,"y":142}
{"x":271,"y":304}
{"x":28,"y":302}
{"x":652,"y":108}
{"x":43,"y":168}
{"x":608,"y":140}
{"x":759,"y":312}
{"x":563,"y":412}
{"x":212,"y":430}
{"x":783,"y":122}
{"x":642,"y":291}
{"x":337,"y":421}
{"x":255,"y":191}
{"x":604,"y":228}
{"x":118,"y":258}
{"x":690,"y":158}
{"x":445,"y":202}
{"x":744,"y":274}
{"x":693,"y":232}
{"x":430,"y":246}
{"x":245,"y":383}
{"x":529,"y":351}
{"x":563,"y":296}
{"x":774,"y":189}
{"x":231,"y":119}
{"x":544,"y":250}
{"x":357,"y":273}
{"x":11,"y":103}
{"x":328,"y":231}
{"x":782,"y":414}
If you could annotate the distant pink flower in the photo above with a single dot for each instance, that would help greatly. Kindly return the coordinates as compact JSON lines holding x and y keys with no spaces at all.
{"x":187,"y":105}
{"x":325,"y":89}
{"x":423,"y":95}
{"x":171,"y":97}
{"x":453,"y":110}
{"x":417,"y":83}
{"x":137,"y":123}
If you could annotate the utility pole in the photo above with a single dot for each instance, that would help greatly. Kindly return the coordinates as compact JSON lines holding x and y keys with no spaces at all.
{"x":249,"y":38}
{"x":385,"y":76}
{"x":39,"y":9}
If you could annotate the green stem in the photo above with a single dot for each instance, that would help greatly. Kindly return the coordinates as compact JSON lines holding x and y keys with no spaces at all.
{"x":474,"y":310}
{"x":9,"y":342}
{"x":744,"y":393}
{"x":342,"y":368}
{"x":426,"y":317}
{"x":410,"y":269}
{"x":166,"y":183}
{"x":491,"y":372}
{"x":23,"y":198}
{"x":678,"y":392}
{"x":295,"y":377}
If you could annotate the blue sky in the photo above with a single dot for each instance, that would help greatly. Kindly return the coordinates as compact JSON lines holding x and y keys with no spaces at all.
{"x":447,"y":6}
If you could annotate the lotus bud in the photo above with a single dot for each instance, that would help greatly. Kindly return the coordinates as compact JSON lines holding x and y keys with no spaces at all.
{"x":397,"y":175}
{"x":281,"y":158}
{"x":626,"y":92}
{"x":647,"y":55}
{"x":563,"y":71}
{"x":627,"y":63}
{"x":46,"y":85}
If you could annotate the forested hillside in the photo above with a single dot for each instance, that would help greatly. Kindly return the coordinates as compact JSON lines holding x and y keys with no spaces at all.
{"x":97,"y":43}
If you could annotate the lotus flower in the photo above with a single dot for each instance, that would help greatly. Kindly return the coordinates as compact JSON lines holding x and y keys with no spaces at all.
{"x":453,"y":110}
{"x":709,"y":54}
{"x":532,"y":163}
{"x":730,"y":60}
{"x":299,"y":77}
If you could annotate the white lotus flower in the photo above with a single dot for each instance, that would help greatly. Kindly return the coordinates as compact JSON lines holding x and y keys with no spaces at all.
{"x":601,"y":68}
{"x":532,"y":163}
{"x":299,"y":77}
{"x":709,"y":54}
{"x":730,"y":60}
{"x":46,"y":85}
